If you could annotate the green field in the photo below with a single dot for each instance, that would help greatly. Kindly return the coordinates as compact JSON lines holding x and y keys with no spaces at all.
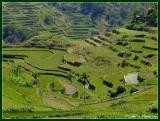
{"x":49,"y":98}
{"x":79,"y":60}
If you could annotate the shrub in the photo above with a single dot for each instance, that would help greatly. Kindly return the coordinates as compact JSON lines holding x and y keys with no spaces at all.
{"x":137,"y":40}
{"x":113,"y":94}
{"x":107,"y":83}
{"x":100,"y":60}
{"x":148,"y":55}
{"x":48,"y":19}
{"x":155,"y":73}
{"x":108,"y":34}
{"x":135,"y":57}
{"x":136,"y":51}
{"x":153,"y":109}
{"x":115,"y":31}
{"x":92,"y":87}
{"x":34,"y":74}
{"x":120,"y":89}
{"x":146,"y":63}
{"x":154,"y":38}
{"x":140,"y":27}
{"x":52,"y":86}
{"x":13,"y":34}
{"x":140,"y":79}
{"x":133,"y":90}
{"x":84,"y":96}
{"x":124,"y":63}
{"x":19,"y":110}
{"x":75,"y":94}
{"x":124,"y":54}
{"x":113,"y":48}
{"x":140,"y":35}
{"x":123,"y":43}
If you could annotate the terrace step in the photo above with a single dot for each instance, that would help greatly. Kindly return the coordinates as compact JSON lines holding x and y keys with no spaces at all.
{"x":104,"y":39}
{"x":92,"y":42}
{"x":97,"y":40}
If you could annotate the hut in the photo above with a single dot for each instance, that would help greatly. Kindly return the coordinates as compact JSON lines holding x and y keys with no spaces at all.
{"x":131,"y":78}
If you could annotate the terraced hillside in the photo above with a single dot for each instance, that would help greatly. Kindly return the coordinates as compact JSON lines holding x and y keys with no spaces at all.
{"x":81,"y":27}
{"x":84,"y":81}
{"x":24,"y":20}
{"x":31,"y":18}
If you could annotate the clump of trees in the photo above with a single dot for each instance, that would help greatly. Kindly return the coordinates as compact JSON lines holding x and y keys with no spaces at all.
{"x":115,"y":31}
{"x":120,"y":89}
{"x":133,"y":90}
{"x":135,"y":57}
{"x":48,"y":19}
{"x":121,"y":42}
{"x":100,"y":60}
{"x":142,"y":18}
{"x":153,"y":108}
{"x":124,"y":54}
{"x":17,"y":77}
{"x":149,"y":55}
{"x":146,"y":63}
{"x":107,"y":83}
{"x":13,"y":34}
{"x":84,"y":80}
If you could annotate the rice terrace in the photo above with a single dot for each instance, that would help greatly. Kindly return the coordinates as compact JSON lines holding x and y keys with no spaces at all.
{"x":79,"y":60}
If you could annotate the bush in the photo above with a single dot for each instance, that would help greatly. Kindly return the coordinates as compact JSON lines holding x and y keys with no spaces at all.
{"x":137,"y":40}
{"x":113,"y":94}
{"x":123,"y":43}
{"x":100,"y":60}
{"x":107,"y":83}
{"x":34,"y":74}
{"x":113,"y":48}
{"x":120,"y":89}
{"x":136,"y":51}
{"x":115,"y":31}
{"x":146,"y":63}
{"x":135,"y":57}
{"x":52,"y":86}
{"x":92,"y":87}
{"x":148,"y":55}
{"x":84,"y":96}
{"x":140,"y":79}
{"x":124,"y":54}
{"x":133,"y":90}
{"x":48,"y":19}
{"x":17,"y":77}
{"x":153,"y":109}
{"x":140,"y":27}
{"x":108,"y":34}
{"x":19,"y":110}
{"x":140,"y":35}
{"x":12,"y":34}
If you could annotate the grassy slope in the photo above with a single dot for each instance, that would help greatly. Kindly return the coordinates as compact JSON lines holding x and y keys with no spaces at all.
{"x":109,"y":71}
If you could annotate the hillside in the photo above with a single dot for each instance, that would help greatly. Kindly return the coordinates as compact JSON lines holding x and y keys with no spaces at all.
{"x":66,"y":69}
{"x":21,"y":21}
{"x":71,"y":66}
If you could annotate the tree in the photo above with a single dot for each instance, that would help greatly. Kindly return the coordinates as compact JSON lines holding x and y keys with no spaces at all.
{"x":48,"y":19}
{"x":13,"y":34}
{"x":120,"y":89}
{"x":152,"y":17}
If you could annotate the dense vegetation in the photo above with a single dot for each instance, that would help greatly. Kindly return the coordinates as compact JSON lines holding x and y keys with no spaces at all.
{"x":63,"y":19}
